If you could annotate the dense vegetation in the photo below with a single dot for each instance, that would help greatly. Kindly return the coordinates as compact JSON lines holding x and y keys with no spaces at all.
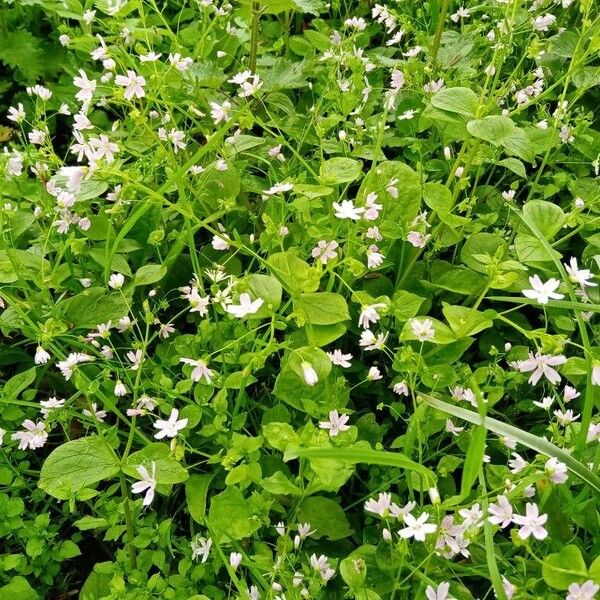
{"x":299,"y":300}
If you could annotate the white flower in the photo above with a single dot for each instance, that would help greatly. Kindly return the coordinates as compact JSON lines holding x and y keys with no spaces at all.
{"x":546,"y":402}
{"x":64,"y":39}
{"x":136,"y":359}
{"x":596,"y":374}
{"x":41,"y":356}
{"x":556,"y":471}
{"x":381,"y":506}
{"x":198,"y":303}
{"x":150,"y":57}
{"x":461,"y":13}
{"x":374,"y":374}
{"x":570,"y":393}
{"x":200,"y":369}
{"x":517,"y":463}
{"x":309,"y":374}
{"x":357,"y":23}
{"x":116,"y":281}
{"x":86,"y":86}
{"x":235,"y":558}
{"x":337,"y":357}
{"x":374,"y":257}
{"x":68,"y":365}
{"x":417,"y":527}
{"x":201,"y":547}
{"x":531,"y":523}
{"x":103,"y":148}
{"x":321,"y":564}
{"x":16,"y":114}
{"x":418,"y":239}
{"x":34,"y":435}
{"x":586,"y":591}
{"x":2,"y":434}
{"x":509,"y":588}
{"x":147,"y":484}
{"x":336,"y":423}
{"x":279,"y":188}
{"x":120,"y":389}
{"x":580,"y":276}
{"x":220,"y":112}
{"x":325,"y":251}
{"x":422,"y":330}
{"x":245,"y":307}
{"x":541,"y":365}
{"x":401,"y":388}
{"x":369,"y":314}
{"x":176,"y":138}
{"x":47,"y":406}
{"x":542,"y":23}
{"x":501,"y":513}
{"x":452,"y":428}
{"x":373,"y":234}
{"x":99,"y":415}
{"x":370,"y":341}
{"x":133,"y":84}
{"x":347,"y":210}
{"x":565,"y":417}
{"x":439,"y":593}
{"x":542,"y":292}
{"x":171,"y":427}
{"x":37,"y":136}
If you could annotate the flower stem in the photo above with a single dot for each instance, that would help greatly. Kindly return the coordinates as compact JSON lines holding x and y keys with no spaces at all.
{"x":254,"y":36}
{"x":128,"y":522}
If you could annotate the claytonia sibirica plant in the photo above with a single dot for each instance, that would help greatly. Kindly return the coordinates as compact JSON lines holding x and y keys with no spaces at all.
{"x":299,"y":300}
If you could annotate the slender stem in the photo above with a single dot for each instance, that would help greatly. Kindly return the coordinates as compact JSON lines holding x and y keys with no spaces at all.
{"x":128,"y":522}
{"x":254,"y":36}
{"x":438,"y":30}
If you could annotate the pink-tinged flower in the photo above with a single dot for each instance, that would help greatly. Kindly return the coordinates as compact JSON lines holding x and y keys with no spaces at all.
{"x":369,"y":314}
{"x":579,"y":276}
{"x":200,"y":369}
{"x":401,"y":388}
{"x":501,"y":512}
{"x":586,"y":591}
{"x":556,"y":471}
{"x":541,"y":291}
{"x":86,"y":87}
{"x":147,"y":484}
{"x":336,"y":423}
{"x":417,"y":527}
{"x":325,"y":251}
{"x":171,"y":427}
{"x":337,"y":357}
{"x":374,"y":374}
{"x":509,"y":588}
{"x":439,"y":593}
{"x":541,"y":365}
{"x":372,"y":208}
{"x":374,"y":257}
{"x":381,"y":506}
{"x":531,"y":523}
{"x":133,"y":84}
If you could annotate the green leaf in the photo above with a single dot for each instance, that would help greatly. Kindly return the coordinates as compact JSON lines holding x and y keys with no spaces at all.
{"x":514,"y":165}
{"x":196,"y":491}
{"x":77,"y":464}
{"x":266,"y":287}
{"x":488,"y":244}
{"x":523,"y":437}
{"x":168,"y":470}
{"x":312,"y":7}
{"x":231,"y":517}
{"x":492,"y":129}
{"x":97,"y":585}
{"x":86,"y":523}
{"x":325,"y":516}
{"x":69,"y":549}
{"x":565,"y":567}
{"x":18,"y":383}
{"x":322,"y":308}
{"x":93,"y":307}
{"x":546,"y":216}
{"x":340,"y":170}
{"x":369,"y":456}
{"x":473,"y":460}
{"x":18,"y":589}
{"x":279,"y":484}
{"x":295,"y":275}
{"x":465,"y":321}
{"x":150,"y":274}
{"x":459,"y":100}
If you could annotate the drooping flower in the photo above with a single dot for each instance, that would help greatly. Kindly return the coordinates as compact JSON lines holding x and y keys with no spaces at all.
{"x":147,"y":484}
{"x":309,"y":374}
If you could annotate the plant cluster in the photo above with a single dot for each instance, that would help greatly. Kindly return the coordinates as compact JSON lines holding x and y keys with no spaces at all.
{"x":299,"y":300}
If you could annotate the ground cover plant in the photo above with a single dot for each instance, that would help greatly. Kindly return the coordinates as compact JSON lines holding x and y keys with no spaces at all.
{"x":299,"y":300}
